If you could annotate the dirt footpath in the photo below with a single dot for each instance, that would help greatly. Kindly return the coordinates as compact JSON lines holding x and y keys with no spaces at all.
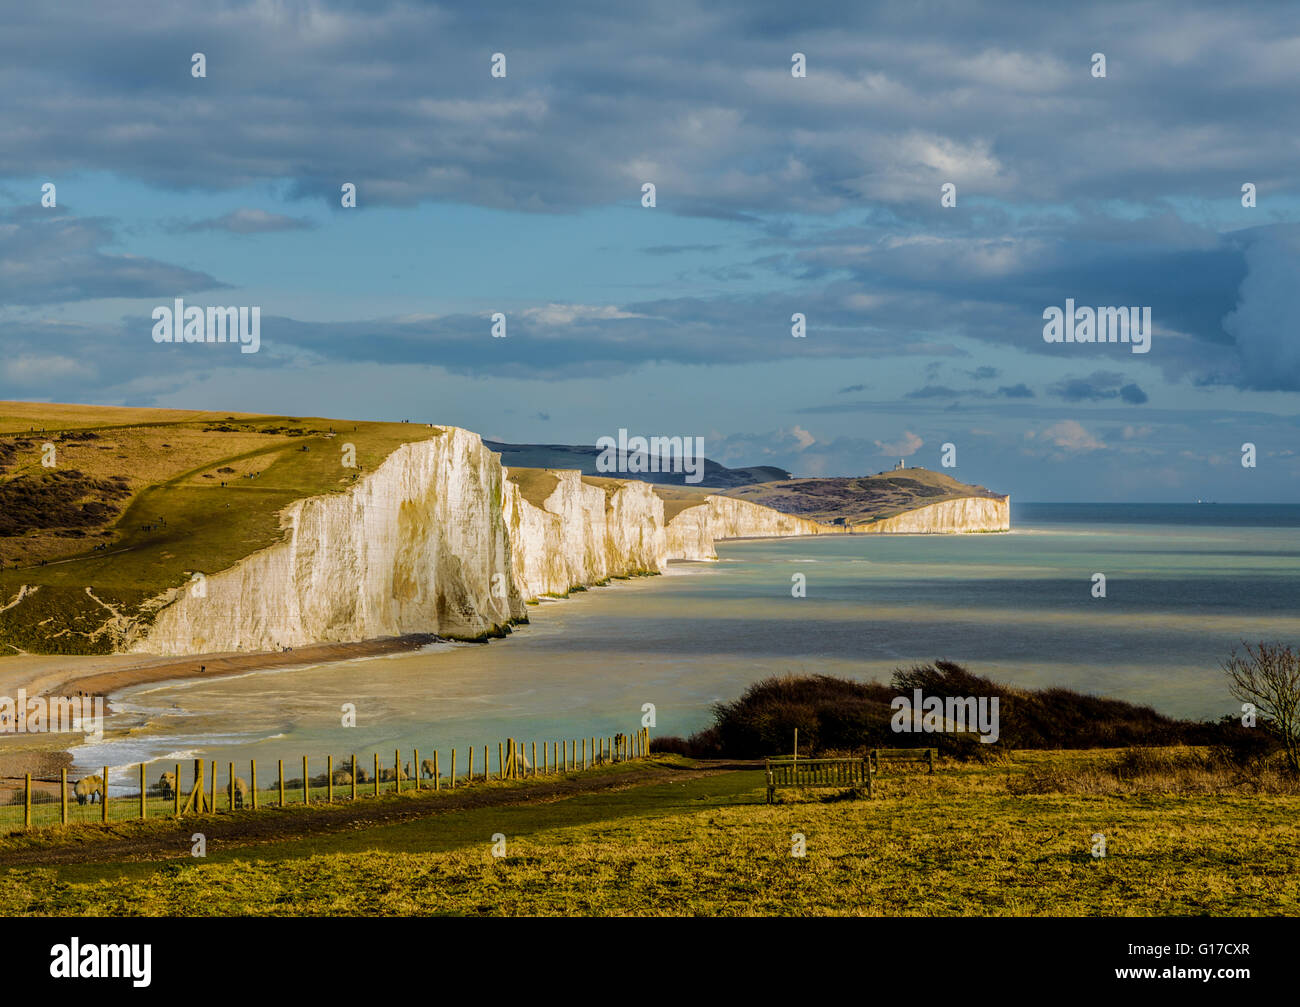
{"x":168,"y":839}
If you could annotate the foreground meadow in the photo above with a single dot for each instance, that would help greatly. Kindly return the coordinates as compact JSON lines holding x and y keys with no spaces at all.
{"x":962,"y":841}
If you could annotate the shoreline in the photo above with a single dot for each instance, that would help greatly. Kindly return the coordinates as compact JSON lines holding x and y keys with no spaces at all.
{"x":43,"y":755}
{"x":216,"y":665}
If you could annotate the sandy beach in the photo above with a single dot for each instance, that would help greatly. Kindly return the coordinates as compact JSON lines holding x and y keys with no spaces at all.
{"x":43,"y":755}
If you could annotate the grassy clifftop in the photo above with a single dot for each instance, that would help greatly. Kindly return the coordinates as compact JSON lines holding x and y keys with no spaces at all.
{"x":861,"y":499}
{"x":677,"y":838}
{"x":136,"y":500}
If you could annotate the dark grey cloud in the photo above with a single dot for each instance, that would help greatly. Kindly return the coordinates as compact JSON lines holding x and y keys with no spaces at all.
{"x":1020,"y":391}
{"x":944,"y":392}
{"x":49,"y":256}
{"x":696,"y":97}
{"x":1098,"y":387}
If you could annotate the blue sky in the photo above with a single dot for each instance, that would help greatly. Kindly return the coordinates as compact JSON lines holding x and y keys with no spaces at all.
{"x":775,"y":195}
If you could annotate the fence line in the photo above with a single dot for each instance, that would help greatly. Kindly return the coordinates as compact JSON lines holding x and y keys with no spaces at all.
{"x":170,"y":797}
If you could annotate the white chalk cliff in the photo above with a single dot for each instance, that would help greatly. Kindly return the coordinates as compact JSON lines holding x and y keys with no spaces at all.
{"x":967,"y":514}
{"x":412,"y":548}
{"x":583,"y":534}
{"x":438,"y":539}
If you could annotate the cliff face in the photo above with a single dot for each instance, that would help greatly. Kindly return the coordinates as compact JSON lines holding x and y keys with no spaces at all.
{"x":439,"y":540}
{"x":692,"y":532}
{"x":582,"y":534}
{"x":412,"y":548}
{"x":730,"y":518}
{"x":969,"y":514}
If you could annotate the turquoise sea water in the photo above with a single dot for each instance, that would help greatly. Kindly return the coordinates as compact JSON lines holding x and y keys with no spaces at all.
{"x":1184,"y":584}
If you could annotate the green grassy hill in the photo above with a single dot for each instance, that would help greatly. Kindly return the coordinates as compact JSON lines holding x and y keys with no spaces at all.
{"x":669,"y":837}
{"x":138,"y":499}
{"x":861,"y":499}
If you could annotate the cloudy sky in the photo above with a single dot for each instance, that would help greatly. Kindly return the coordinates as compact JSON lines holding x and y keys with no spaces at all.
{"x":775,"y":195}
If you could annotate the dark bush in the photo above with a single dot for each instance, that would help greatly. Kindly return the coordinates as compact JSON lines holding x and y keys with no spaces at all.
{"x":842,"y":716}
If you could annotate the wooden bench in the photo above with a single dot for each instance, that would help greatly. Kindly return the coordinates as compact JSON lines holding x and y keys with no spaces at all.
{"x":790,"y":771}
{"x":925,"y":755}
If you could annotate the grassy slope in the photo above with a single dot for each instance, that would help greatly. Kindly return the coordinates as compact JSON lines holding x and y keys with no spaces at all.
{"x":859,"y":500}
{"x":954,"y":843}
{"x":677,"y":498}
{"x":170,"y":459}
{"x":535,"y":484}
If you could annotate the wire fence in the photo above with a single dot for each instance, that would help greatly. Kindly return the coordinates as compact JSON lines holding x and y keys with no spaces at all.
{"x":201,"y":786}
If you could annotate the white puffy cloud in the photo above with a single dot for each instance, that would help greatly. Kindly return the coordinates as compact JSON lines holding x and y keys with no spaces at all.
{"x":906,"y":445}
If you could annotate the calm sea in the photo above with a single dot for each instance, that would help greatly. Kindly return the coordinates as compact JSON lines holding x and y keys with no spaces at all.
{"x":1184,"y":585}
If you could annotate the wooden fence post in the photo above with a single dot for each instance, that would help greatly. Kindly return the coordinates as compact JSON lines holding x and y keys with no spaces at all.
{"x":929,"y":758}
{"x":280,"y":763}
{"x":230,"y":787}
{"x":176,"y":792}
{"x":584,"y":753}
{"x":103,"y":796}
{"x":397,"y":771}
{"x":63,"y":796}
{"x":437,"y":773}
{"x":354,"y":776}
{"x":376,"y":774}
{"x":213,"y":801}
{"x":452,"y":784}
{"x":197,"y":801}
{"x":142,"y":807}
{"x":486,"y":764}
{"x":252,"y":771}
{"x":306,"y":794}
{"x":415,"y":762}
{"x":535,"y":756}
{"x":469,"y":771}
{"x":27,"y":800}
{"x":501,"y":765}
{"x":329,"y":779}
